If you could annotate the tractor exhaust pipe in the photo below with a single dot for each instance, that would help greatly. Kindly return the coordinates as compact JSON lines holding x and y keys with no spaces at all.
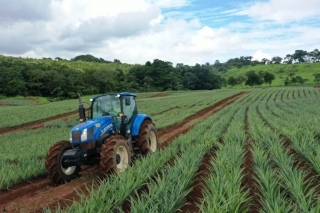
{"x":82,"y":112}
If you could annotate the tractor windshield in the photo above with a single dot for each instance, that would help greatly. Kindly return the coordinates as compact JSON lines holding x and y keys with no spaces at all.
{"x":105,"y":105}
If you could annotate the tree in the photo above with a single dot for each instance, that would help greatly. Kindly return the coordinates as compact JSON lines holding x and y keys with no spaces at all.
{"x":240,"y":80}
{"x":217,"y":63}
{"x":189,"y":80}
{"x":265,"y":61}
{"x":15,"y":87}
{"x":300,"y":55}
{"x":173,"y":80}
{"x":286,"y":81}
{"x":252,"y":79}
{"x":117,"y":61}
{"x":249,"y":58}
{"x":316,"y":77}
{"x":276,"y":60}
{"x":268,"y":78}
{"x":300,"y":80}
{"x":147,"y":82}
{"x":288,"y":59}
{"x":232,"y":81}
{"x":314,"y":55}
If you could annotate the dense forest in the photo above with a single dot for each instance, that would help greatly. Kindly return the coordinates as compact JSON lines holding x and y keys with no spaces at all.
{"x":60,"y":78}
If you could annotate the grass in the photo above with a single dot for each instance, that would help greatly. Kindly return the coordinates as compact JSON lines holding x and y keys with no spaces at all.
{"x":281,"y":71}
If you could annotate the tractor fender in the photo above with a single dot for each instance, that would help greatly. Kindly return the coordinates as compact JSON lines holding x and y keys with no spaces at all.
{"x":137,"y":123}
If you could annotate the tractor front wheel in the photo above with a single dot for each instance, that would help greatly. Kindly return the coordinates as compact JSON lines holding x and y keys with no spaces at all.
{"x":115,"y":154}
{"x":55,"y":170}
{"x":147,"y":139}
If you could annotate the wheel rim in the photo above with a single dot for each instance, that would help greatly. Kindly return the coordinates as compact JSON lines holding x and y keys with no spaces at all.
{"x":152,"y":141}
{"x":68,"y":170}
{"x":122,"y":158}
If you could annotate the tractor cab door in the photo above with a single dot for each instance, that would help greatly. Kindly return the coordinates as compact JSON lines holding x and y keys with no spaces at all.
{"x":130,"y":111}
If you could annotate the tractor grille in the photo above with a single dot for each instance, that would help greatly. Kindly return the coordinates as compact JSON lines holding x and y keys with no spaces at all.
{"x":90,"y":132}
{"x":76,"y":136}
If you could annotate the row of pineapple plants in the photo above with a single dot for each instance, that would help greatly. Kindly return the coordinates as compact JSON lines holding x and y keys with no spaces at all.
{"x":300,"y":125}
{"x":283,"y":185}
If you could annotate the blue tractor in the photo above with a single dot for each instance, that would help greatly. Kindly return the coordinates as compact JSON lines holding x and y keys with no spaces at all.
{"x":111,"y":135}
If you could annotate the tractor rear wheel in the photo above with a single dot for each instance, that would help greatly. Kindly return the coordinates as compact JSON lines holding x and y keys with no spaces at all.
{"x":115,"y":154}
{"x":55,"y":171}
{"x":147,"y":139}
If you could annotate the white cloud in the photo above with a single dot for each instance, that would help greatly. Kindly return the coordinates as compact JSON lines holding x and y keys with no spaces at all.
{"x":259,"y":54}
{"x":283,"y":11}
{"x":123,"y":25}
{"x":17,"y":38}
{"x":26,"y":10}
{"x":170,"y":3}
{"x":136,"y":31}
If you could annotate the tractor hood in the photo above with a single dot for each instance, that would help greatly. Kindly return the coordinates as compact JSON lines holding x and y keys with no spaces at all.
{"x":91,"y":130}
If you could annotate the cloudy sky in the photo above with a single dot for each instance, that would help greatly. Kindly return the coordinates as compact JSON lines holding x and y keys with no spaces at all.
{"x":180,"y":31}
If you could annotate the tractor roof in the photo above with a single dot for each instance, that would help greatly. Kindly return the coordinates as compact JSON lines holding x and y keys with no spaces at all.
{"x":121,"y":94}
{"x":127,"y":94}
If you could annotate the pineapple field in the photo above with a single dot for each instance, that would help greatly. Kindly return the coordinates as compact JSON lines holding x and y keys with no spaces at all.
{"x":251,"y":150}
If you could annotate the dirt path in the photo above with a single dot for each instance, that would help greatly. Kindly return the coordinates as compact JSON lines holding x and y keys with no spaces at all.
{"x":38,"y":193}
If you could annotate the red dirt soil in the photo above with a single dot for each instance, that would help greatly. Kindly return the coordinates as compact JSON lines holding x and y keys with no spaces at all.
{"x":38,"y":193}
{"x":160,"y":95}
{"x":31,"y":100}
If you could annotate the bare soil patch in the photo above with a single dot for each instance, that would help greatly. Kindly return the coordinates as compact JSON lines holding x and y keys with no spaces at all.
{"x":34,"y":195}
{"x":31,"y":100}
{"x":160,"y":95}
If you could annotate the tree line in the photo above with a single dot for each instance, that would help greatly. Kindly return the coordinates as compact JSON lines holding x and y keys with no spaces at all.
{"x":299,"y":56}
{"x":61,"y":79}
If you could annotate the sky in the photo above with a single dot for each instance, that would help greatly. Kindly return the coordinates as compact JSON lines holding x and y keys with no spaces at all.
{"x":179,"y":31}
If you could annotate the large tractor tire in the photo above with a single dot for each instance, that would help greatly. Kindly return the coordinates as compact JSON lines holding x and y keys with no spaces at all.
{"x":147,"y":139}
{"x":115,"y":155}
{"x":55,"y":171}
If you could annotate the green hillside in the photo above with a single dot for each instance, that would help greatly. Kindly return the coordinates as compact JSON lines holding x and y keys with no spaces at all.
{"x":281,"y":71}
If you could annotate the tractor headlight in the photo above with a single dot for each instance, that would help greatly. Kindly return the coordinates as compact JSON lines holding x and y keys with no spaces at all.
{"x":70,"y":136}
{"x":84,"y":135}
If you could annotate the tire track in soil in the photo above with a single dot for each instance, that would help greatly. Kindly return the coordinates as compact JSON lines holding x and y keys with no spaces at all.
{"x":34,"y":195}
{"x":300,"y":162}
{"x":248,"y":181}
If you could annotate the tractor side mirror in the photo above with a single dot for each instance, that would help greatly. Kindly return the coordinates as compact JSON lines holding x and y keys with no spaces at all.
{"x":128,"y":101}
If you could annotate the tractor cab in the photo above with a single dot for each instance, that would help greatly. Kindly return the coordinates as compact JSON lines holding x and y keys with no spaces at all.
{"x":120,"y":107}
